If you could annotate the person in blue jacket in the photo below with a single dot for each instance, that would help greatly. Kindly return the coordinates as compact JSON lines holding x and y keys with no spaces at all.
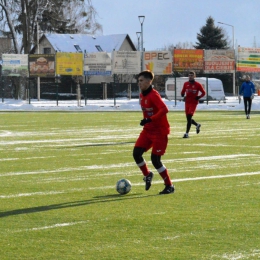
{"x":247,"y":90}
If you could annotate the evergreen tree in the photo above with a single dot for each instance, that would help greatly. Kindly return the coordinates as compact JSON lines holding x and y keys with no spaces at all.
{"x":211,"y":37}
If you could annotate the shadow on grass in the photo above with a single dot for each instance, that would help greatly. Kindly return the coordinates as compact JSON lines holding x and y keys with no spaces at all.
{"x":97,"y":199}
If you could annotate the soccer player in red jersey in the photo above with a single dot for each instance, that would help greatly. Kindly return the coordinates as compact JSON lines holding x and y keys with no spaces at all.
{"x":154,"y":134}
{"x":193,"y":91}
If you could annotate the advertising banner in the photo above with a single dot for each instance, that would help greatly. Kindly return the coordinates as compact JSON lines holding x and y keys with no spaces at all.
{"x":98,"y":63}
{"x":126,"y":62}
{"x":42,"y":65}
{"x":248,"y":59}
{"x":186,"y":59}
{"x":15,"y":65}
{"x":69,"y":64}
{"x":159,"y":62}
{"x":219,"y":61}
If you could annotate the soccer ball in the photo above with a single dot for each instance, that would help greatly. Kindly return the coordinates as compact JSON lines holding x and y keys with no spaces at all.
{"x":123,"y":186}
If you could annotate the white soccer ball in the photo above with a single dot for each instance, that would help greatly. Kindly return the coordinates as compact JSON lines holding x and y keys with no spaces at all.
{"x":123,"y":186}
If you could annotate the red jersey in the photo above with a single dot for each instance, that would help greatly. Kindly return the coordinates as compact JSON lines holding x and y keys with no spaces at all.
{"x":191,"y":91}
{"x":153,"y":107}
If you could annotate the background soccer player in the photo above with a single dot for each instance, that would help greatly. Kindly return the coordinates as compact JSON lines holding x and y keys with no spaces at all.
{"x":191,"y":90}
{"x":154,"y":134}
{"x":247,"y":90}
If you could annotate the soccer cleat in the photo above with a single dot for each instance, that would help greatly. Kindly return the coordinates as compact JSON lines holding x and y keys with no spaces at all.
{"x":198,"y":128}
{"x":148,"y":180}
{"x":167,"y":190}
{"x":185,"y":136}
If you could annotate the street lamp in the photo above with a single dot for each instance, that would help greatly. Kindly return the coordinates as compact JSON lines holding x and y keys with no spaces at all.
{"x":233,"y":33}
{"x":141,"y":20}
{"x":233,"y":39}
{"x":138,"y":34}
{"x":38,"y":17}
{"x":38,"y":52}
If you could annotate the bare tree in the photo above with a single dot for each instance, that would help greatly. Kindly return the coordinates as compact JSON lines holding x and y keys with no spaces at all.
{"x":7,"y":18}
{"x":21,"y":17}
{"x":180,"y":45}
{"x":82,"y":20}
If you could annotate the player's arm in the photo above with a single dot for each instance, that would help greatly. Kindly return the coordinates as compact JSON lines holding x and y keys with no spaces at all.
{"x":241,"y":89}
{"x":203,"y":92}
{"x":162,"y":108}
{"x":183,"y":90}
{"x":252,"y":91}
{"x":161,"y":112}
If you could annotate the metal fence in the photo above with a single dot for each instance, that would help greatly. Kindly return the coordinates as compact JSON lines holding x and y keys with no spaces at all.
{"x":60,"y":91}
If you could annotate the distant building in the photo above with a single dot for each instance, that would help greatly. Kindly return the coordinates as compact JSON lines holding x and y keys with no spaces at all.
{"x":52,"y":43}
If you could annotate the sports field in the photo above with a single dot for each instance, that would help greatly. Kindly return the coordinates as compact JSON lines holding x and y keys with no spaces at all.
{"x":58,"y":172}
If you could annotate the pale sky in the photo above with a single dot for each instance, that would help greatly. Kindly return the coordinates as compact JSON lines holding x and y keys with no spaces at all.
{"x":172,"y":21}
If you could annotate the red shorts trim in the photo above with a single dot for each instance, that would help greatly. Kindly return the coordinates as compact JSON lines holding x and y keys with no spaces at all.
{"x":158,"y":143}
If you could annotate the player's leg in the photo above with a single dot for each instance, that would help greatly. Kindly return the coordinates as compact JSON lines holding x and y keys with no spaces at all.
{"x":159,"y":147}
{"x":190,"y":110}
{"x":245,"y":105}
{"x":189,"y":117}
{"x":249,"y":106}
{"x":186,"y":135}
{"x":193,"y":122}
{"x":142,"y":145}
{"x":138,"y":157}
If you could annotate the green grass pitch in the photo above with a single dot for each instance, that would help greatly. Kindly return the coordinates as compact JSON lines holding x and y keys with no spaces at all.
{"x":58,"y":172}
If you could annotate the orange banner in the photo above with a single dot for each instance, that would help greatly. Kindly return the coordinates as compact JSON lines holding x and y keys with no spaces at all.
{"x":186,"y":59}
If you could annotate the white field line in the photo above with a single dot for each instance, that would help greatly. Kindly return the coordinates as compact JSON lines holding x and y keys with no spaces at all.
{"x":71,"y":141}
{"x":28,"y":158}
{"x":133,"y":184}
{"x":190,"y":179}
{"x":210,"y":158}
{"x":129,"y":174}
{"x":238,"y":255}
{"x":174,"y":160}
{"x":87,"y":132}
{"x":82,"y":168}
{"x":30,"y":194}
{"x":50,"y":227}
{"x":124,"y":165}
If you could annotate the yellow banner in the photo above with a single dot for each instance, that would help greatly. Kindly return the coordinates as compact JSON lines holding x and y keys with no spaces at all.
{"x":69,"y":64}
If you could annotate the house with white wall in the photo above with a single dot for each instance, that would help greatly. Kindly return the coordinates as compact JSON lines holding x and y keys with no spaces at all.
{"x":52,"y":43}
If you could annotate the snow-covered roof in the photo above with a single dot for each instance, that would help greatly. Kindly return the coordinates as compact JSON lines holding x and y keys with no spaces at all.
{"x":106,"y":43}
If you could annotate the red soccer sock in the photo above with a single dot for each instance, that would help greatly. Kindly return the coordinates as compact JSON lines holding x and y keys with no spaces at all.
{"x":165,"y":176}
{"x":143,"y":167}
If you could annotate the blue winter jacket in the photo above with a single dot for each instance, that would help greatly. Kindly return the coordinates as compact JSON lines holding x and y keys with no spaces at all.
{"x":247,"y":89}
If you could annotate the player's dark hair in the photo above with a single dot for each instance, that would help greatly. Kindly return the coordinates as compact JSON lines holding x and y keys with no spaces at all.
{"x":147,"y":74}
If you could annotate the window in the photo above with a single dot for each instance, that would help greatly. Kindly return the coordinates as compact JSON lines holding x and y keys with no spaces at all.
{"x":98,"y":48}
{"x":77,"y":48}
{"x":46,"y":50}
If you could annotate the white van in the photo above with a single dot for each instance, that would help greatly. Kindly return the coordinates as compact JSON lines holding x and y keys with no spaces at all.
{"x":215,"y":88}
